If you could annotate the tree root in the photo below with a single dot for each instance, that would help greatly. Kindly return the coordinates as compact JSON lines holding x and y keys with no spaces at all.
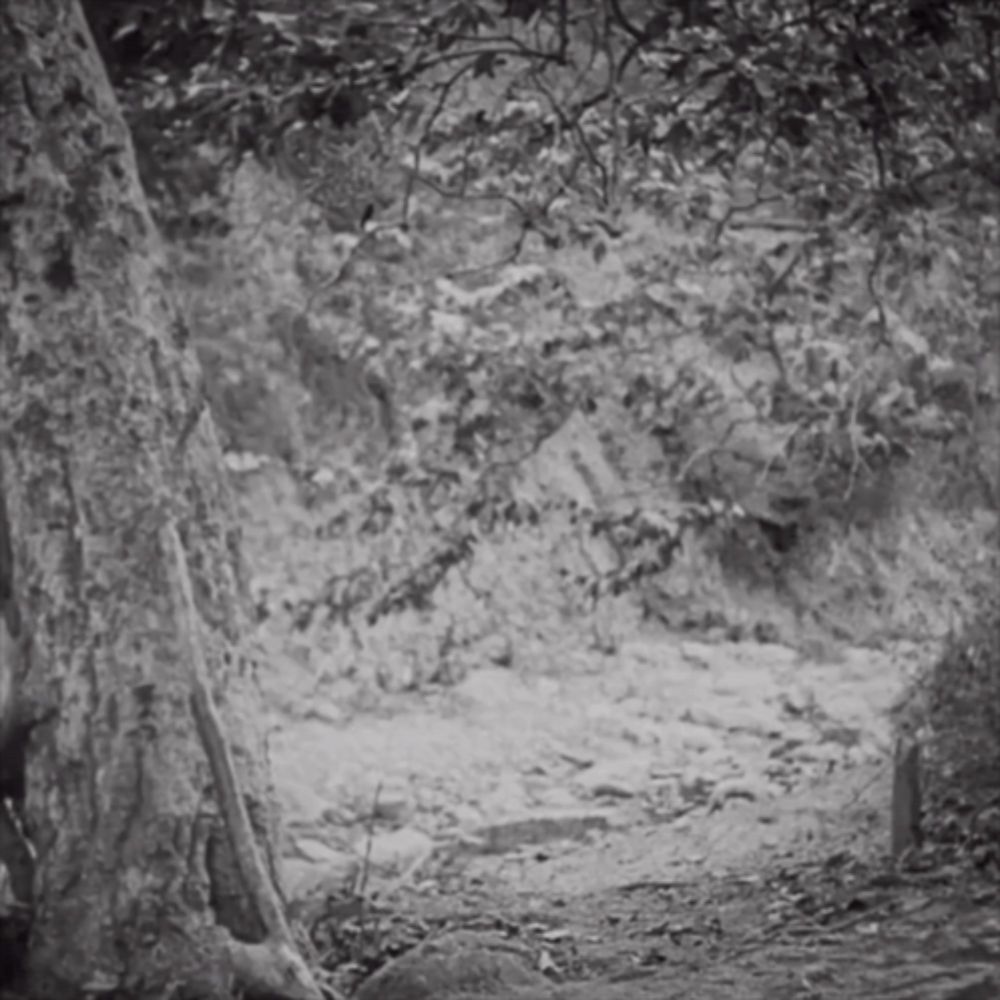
{"x":274,"y":966}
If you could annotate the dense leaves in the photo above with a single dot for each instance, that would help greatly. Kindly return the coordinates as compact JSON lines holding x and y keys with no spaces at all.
{"x":827,"y":172}
{"x":888,"y":95}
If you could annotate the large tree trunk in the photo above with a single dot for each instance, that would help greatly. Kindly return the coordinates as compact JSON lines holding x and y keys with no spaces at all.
{"x":121,"y":606}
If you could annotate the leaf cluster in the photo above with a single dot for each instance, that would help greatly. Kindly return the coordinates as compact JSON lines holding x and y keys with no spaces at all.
{"x":874,"y":93}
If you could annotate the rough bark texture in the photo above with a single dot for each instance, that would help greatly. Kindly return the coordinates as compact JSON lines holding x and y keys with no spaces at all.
{"x":108,"y":461}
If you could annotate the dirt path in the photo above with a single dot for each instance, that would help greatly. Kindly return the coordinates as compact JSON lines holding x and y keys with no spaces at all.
{"x":591,"y":808}
{"x":671,"y":754}
{"x":680,"y":818}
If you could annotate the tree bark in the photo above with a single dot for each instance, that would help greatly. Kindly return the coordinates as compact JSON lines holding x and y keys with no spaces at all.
{"x":148,"y":806}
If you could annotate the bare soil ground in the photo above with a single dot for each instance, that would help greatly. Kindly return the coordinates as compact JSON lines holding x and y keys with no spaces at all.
{"x":675,"y":818}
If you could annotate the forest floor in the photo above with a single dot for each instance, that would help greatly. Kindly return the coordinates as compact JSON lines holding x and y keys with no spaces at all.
{"x":667,"y":816}
{"x":496,"y":788}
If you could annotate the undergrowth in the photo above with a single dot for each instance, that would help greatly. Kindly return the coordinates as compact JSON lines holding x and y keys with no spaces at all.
{"x":963,"y":719}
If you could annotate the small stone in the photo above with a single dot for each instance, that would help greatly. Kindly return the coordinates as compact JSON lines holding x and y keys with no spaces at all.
{"x":465,"y":817}
{"x":315,"y":850}
{"x":489,"y":686}
{"x":304,"y":880}
{"x":499,"y":650}
{"x":732,"y":788}
{"x":325,"y":712}
{"x":457,"y":963}
{"x":701,"y":655}
{"x":540,"y":828}
{"x":620,"y":779}
{"x":299,"y":803}
{"x":396,"y":850}
{"x":394,"y":803}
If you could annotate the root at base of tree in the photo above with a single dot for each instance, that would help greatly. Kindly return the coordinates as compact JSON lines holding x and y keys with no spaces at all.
{"x":274,"y":966}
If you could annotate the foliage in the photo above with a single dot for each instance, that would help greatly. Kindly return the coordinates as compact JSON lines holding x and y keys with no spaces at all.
{"x":203,"y":84}
{"x":960,"y":709}
{"x":895,"y":98}
{"x":809,"y":313}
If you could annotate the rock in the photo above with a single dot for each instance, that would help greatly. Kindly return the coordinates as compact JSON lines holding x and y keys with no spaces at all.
{"x":394,"y":803}
{"x":396,"y":850}
{"x":490,"y":686}
{"x":695,"y":788}
{"x":324,"y":712}
{"x":702,"y":655}
{"x":499,"y":650}
{"x":733,"y":788}
{"x":614,"y":789}
{"x":576,"y":757}
{"x":776,"y":653}
{"x":507,"y":835}
{"x":465,"y":817}
{"x":757,"y":721}
{"x":299,"y":803}
{"x":619,"y":779}
{"x":696,"y":715}
{"x":456,"y":963}
{"x":309,"y":884}
{"x":643,"y":732}
{"x":555,"y":798}
{"x":316,"y":851}
{"x":696,"y":738}
{"x":822,"y":753}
